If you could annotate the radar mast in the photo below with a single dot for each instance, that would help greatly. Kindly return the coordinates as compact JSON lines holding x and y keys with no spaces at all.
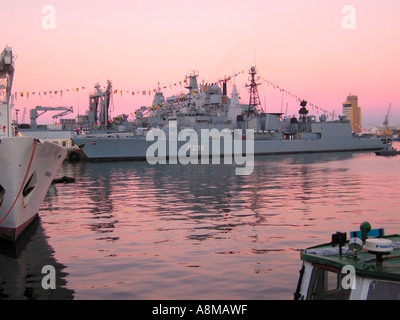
{"x":254,"y":103}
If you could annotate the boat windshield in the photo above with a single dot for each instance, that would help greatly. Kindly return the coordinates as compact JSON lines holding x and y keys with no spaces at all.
{"x":326,"y":284}
{"x":383,"y":290}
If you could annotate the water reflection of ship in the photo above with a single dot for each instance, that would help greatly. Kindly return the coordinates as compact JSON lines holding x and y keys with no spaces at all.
{"x":95,"y":184}
{"x":105,"y":177}
{"x":308,"y":158}
{"x":21,"y":266}
{"x":164,"y":186}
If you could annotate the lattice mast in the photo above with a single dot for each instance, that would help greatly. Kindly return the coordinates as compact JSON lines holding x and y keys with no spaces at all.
{"x":254,"y":103}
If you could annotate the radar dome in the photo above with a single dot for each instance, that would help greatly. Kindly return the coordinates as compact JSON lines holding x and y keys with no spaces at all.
{"x":379,"y":245}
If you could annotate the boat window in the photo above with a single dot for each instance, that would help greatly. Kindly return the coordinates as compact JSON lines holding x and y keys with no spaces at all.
{"x":383,"y":290}
{"x":2,"y":193}
{"x":327,"y":285}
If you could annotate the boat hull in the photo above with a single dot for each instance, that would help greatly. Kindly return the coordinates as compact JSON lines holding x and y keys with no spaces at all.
{"x":28,"y":168}
{"x":136,"y":148}
{"x":387,"y":153}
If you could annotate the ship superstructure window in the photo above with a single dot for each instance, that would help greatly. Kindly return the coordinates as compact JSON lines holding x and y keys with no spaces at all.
{"x":326,"y":284}
{"x":2,"y":193}
{"x":383,"y":290}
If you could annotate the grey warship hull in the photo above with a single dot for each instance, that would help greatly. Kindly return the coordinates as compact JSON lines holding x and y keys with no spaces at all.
{"x":130,"y":149}
{"x":335,"y":138}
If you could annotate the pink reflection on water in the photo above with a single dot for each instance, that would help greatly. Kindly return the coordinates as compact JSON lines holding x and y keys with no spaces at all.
{"x":130,"y":230}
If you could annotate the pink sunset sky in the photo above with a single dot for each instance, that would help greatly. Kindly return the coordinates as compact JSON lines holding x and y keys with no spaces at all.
{"x":317,"y":50}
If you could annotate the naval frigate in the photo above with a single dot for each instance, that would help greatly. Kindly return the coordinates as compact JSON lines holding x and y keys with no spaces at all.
{"x":175,"y":125}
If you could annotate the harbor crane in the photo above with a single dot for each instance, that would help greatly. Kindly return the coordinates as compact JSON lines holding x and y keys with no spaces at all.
{"x":386,"y":122}
{"x":34,"y":113}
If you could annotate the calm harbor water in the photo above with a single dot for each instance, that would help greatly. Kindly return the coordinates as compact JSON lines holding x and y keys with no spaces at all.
{"x":130,"y":230}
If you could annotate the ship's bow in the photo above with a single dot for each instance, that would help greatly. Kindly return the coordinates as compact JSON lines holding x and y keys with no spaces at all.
{"x":27,"y":169}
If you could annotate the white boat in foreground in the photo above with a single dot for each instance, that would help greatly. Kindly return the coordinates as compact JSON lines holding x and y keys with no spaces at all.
{"x":27,"y":166}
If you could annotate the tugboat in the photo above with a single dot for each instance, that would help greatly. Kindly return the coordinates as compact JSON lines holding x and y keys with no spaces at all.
{"x":388,"y":149}
{"x":366,"y":267}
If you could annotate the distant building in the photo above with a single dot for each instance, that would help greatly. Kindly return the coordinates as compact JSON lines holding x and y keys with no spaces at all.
{"x":353,"y":113}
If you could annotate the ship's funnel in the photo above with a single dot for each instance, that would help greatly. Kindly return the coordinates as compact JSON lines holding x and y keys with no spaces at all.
{"x":235,"y":108}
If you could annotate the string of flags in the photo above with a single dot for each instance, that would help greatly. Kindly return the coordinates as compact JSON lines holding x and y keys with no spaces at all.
{"x":26,"y":94}
{"x":294,"y":96}
{"x":63,"y":92}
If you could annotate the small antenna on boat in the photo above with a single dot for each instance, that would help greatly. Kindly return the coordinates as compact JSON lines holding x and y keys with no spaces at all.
{"x":339,"y":238}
